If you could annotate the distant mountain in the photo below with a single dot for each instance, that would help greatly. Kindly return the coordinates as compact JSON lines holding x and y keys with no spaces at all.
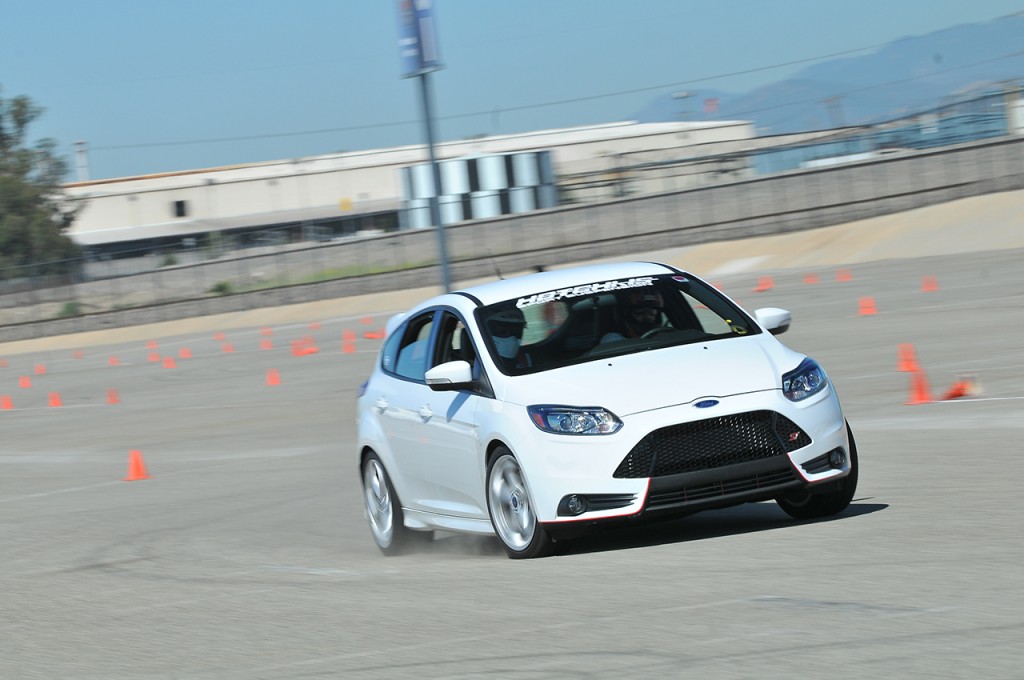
{"x":908,"y":75}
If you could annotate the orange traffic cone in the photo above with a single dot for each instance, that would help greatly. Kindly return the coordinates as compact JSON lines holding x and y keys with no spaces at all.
{"x":218,"y":336}
{"x":154,"y":357}
{"x":169,"y":362}
{"x":6,"y":403}
{"x":112,"y":397}
{"x":40,"y":369}
{"x":919,"y":392}
{"x":304,"y":346}
{"x":273,"y":377}
{"x":907,"y":362}
{"x":184,"y":353}
{"x":867,"y":306}
{"x":55,"y":399}
{"x":959,"y":389}
{"x":929,"y":284}
{"x":151,"y":344}
{"x":114,"y":361}
{"x":811,"y":278}
{"x":844,"y":275}
{"x":366,"y":321}
{"x":374,"y":335}
{"x":348,"y":342}
{"x":24,"y":381}
{"x":963,"y":387}
{"x":266,"y":343}
{"x":136,"y":468}
{"x":764,"y":283}
{"x":227,"y":348}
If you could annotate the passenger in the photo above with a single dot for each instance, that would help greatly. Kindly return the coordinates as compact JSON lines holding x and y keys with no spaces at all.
{"x":639,"y":312}
{"x":506,"y":328}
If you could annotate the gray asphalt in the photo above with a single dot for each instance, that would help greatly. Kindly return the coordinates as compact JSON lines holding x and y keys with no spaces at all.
{"x":245,"y":555}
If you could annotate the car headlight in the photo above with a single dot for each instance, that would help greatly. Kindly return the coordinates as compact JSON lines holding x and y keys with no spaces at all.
{"x":805,"y":380}
{"x":574,"y":419}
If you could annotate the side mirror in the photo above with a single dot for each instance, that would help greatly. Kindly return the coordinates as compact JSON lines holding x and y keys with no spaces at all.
{"x":773,"y":319}
{"x":453,"y":375}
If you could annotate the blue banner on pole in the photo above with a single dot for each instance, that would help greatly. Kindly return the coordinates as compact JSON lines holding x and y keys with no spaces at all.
{"x":417,"y":37}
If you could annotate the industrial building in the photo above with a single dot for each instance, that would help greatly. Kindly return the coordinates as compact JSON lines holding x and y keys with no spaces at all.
{"x":338,"y":195}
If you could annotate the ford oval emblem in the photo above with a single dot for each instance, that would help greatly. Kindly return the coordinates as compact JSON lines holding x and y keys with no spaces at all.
{"x":706,"y":403}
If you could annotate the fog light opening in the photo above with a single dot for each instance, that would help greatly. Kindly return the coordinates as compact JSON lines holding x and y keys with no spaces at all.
{"x":575,"y":505}
{"x":572,"y":505}
{"x":837,"y":458}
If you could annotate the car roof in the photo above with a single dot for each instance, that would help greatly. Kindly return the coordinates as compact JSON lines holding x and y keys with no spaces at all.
{"x":520,"y":286}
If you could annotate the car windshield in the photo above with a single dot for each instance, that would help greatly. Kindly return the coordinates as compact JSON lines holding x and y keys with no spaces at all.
{"x":555,"y":328}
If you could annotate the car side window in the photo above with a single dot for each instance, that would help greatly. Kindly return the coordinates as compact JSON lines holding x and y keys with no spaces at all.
{"x":390,"y":353}
{"x":453,"y":343}
{"x":411,"y":351}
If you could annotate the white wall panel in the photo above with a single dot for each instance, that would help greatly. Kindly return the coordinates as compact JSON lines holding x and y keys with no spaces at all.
{"x":527,"y":174}
{"x":491,"y":170}
{"x":418,"y":214}
{"x":451,"y":209}
{"x":485,"y":204}
{"x":547,"y":196}
{"x":422,"y":181}
{"x":522,"y":199}
{"x":454,"y":176}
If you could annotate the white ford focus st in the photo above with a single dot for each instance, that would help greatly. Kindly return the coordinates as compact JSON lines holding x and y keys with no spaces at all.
{"x":534,"y":407}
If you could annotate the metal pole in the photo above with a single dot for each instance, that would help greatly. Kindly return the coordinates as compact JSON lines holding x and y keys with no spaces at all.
{"x":435,"y":209}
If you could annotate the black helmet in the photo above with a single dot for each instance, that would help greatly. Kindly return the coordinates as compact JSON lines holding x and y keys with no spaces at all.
{"x":642,"y":310}
{"x":506,"y":323}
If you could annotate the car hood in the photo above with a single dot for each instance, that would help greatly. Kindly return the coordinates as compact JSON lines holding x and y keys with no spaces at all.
{"x":660,"y":378}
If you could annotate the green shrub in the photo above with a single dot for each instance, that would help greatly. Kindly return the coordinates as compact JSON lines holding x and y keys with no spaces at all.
{"x":73,"y":308}
{"x":220,"y":288}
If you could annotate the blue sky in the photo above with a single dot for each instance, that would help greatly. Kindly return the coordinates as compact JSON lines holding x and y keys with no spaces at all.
{"x":164,"y":86}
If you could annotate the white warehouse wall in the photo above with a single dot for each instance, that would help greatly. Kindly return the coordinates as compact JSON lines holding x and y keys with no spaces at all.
{"x":131,"y":208}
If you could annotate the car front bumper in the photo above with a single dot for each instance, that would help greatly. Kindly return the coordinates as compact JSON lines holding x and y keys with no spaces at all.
{"x":680,"y":459}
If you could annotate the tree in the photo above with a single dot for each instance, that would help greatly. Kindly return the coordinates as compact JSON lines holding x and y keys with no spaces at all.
{"x":33,"y":214}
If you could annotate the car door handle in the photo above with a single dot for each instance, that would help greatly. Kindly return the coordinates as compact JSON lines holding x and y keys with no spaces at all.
{"x":382,"y":404}
{"x":425,"y":412}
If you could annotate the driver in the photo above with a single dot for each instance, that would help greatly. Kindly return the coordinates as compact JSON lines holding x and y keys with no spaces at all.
{"x":639,"y":312}
{"x":506,"y":328}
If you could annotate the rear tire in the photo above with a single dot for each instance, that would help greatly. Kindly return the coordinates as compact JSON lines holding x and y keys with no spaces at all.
{"x":383,"y":509}
{"x":511,"y":509}
{"x":803,"y":504}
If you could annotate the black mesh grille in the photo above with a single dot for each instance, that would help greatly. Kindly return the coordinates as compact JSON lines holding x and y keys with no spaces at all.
{"x":721,"y":488}
{"x":791,"y":436}
{"x":712,"y":443}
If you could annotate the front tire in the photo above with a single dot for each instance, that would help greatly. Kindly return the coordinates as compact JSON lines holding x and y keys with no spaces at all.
{"x":383,"y":509}
{"x":511,"y":509}
{"x":804,"y":505}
